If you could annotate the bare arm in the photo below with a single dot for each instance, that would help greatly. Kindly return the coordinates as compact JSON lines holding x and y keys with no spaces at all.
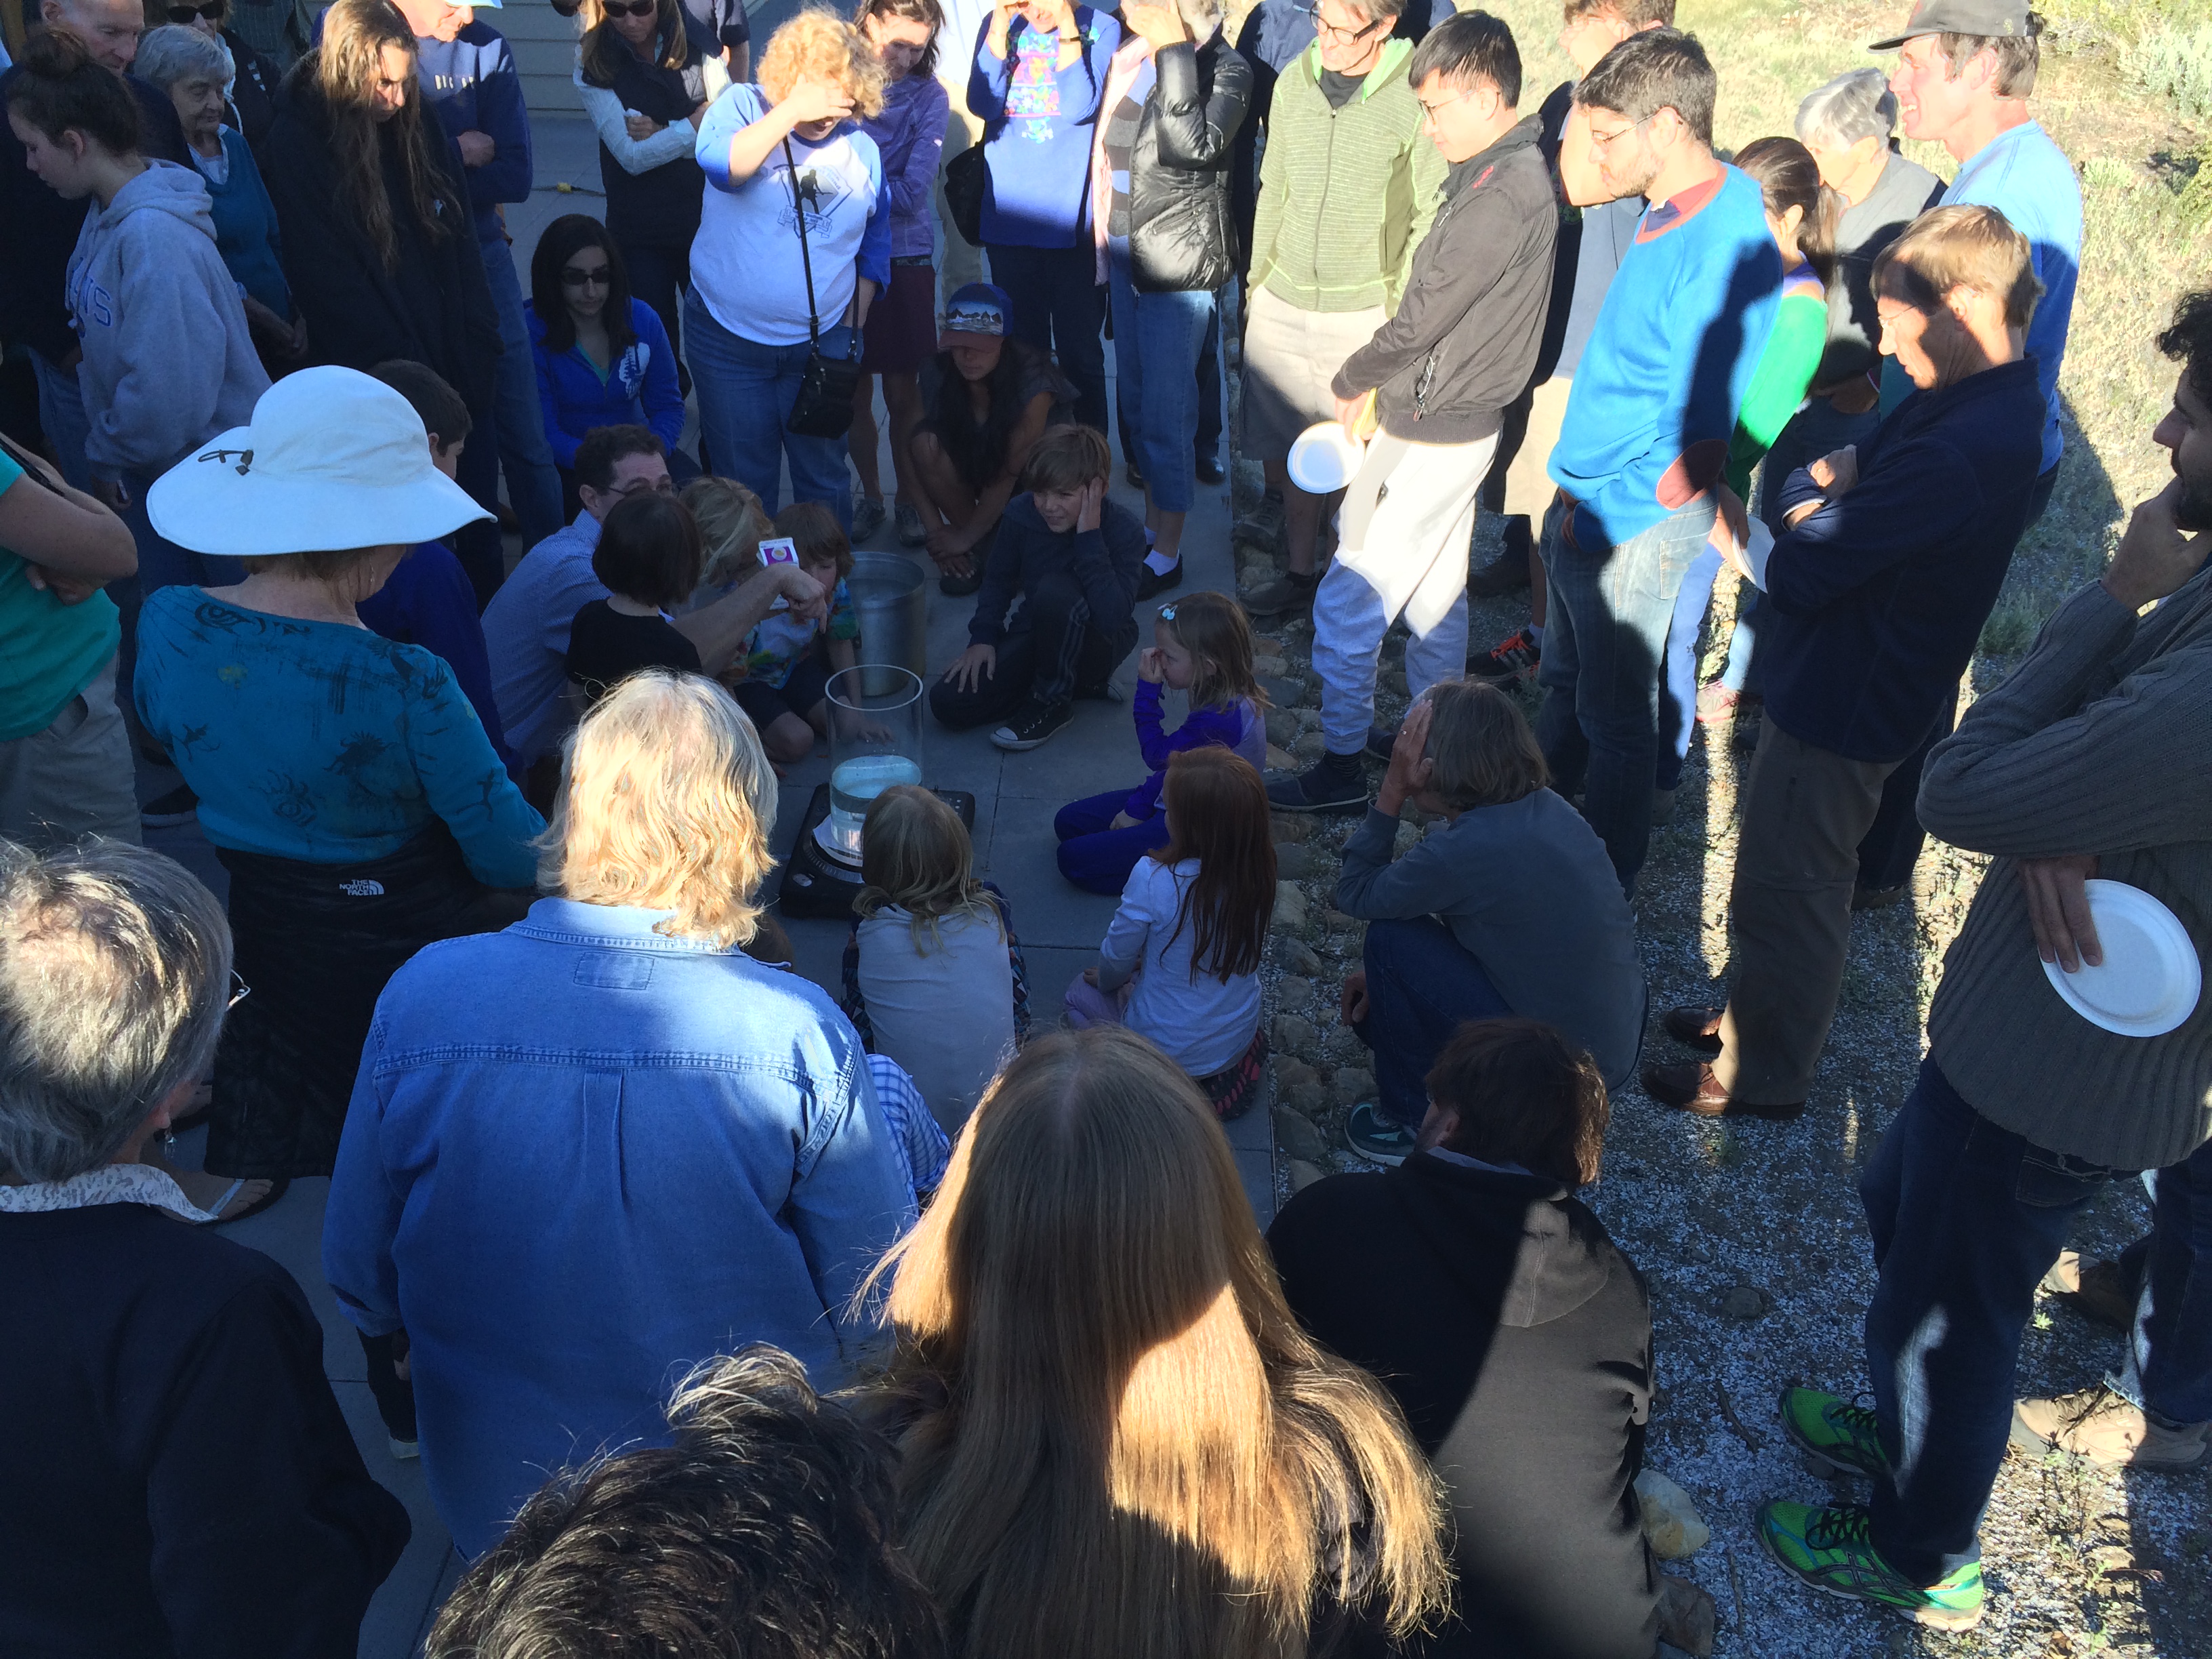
{"x":70,"y":535}
{"x":992,"y":503}
{"x":810,"y":100}
{"x":719,"y":631}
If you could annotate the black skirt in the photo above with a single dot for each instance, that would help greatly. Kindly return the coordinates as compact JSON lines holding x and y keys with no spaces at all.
{"x":315,"y":945}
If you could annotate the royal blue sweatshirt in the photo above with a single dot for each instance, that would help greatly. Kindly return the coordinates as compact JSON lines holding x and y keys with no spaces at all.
{"x":639,"y":390}
{"x":430,"y":602}
{"x":1876,"y":600}
{"x":1657,"y":391}
{"x":1237,"y":727}
{"x":471,"y":82}
{"x":1039,"y":117}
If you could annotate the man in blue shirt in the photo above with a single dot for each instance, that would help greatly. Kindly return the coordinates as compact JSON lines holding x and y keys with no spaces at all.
{"x":1965,"y":69}
{"x":1647,"y":425}
{"x":469,"y":78}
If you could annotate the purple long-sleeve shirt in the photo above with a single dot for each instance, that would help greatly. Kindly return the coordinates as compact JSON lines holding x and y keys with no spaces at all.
{"x":1237,"y":727}
{"x":909,"y":133}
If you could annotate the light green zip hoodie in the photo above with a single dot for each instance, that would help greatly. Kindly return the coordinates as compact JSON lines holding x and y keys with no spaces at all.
{"x":1345,"y":194}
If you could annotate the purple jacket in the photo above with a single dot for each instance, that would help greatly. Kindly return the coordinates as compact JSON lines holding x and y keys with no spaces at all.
{"x":1236,"y":726}
{"x":909,"y":133}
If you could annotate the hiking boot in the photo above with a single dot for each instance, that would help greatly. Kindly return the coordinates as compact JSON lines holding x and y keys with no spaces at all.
{"x":868,"y":517}
{"x":1335,"y":784}
{"x":1833,"y":1433}
{"x":1831,"y":1549}
{"x":1032,"y":724}
{"x":1693,"y":1088}
{"x":1291,"y":591}
{"x":2109,"y":1431}
{"x":912,"y":532}
{"x":1376,"y":1138}
{"x":166,"y":812}
{"x":1518,"y":657}
{"x":2099,"y":1291}
{"x":1263,"y":525}
{"x":1697,"y":1028}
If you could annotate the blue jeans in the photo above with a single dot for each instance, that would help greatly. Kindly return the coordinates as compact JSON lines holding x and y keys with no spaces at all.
{"x":1422,"y":985}
{"x":1211,"y":407}
{"x":1096,"y":857}
{"x":62,"y":417}
{"x":746,"y":390}
{"x":1965,"y":1217}
{"x":1603,"y":645}
{"x":1157,"y":341}
{"x":1059,"y":310}
{"x":533,"y":487}
{"x":2168,"y":1369}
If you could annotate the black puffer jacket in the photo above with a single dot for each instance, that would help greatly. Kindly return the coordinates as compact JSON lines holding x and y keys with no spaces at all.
{"x":1181,"y":238}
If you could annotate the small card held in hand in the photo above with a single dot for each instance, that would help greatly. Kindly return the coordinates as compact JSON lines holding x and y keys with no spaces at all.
{"x":779,"y":549}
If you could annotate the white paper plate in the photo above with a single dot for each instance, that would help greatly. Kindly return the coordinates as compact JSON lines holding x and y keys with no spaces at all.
{"x":1322,"y":459}
{"x":2150,"y":979}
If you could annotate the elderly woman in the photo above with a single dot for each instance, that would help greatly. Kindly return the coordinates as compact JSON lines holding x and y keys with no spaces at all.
{"x":795,"y":243}
{"x":1116,"y":1438}
{"x":704,"y":1128}
{"x":250,"y":77}
{"x":1160,"y":194}
{"x":190,"y":66}
{"x":1511,"y":907}
{"x":345,"y":779}
{"x":216,"y":1502}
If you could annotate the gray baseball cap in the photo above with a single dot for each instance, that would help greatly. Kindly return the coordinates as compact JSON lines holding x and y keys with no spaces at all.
{"x":1991,"y":18}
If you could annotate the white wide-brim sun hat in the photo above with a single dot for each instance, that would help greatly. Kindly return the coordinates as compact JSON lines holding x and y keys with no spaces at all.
{"x":332,"y":460}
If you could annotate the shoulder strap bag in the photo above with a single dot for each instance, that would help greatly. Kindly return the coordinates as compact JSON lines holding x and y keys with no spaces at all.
{"x":823,"y":408}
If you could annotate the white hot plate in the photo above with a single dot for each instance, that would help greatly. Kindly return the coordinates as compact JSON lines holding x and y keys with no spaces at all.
{"x":1322,"y":459}
{"x":2149,"y":980}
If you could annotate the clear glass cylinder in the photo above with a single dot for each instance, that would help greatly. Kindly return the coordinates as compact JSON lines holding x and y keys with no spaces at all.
{"x":875,"y":743}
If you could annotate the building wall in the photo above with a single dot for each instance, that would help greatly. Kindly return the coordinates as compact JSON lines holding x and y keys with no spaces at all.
{"x":545,"y":44}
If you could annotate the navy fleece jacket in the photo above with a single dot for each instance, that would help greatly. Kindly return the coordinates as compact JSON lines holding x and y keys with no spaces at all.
{"x":471,"y":82}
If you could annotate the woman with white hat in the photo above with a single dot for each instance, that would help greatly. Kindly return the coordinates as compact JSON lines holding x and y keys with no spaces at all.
{"x":344,"y":780}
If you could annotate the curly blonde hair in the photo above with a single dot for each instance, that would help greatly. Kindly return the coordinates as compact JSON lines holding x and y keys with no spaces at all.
{"x":818,"y":44}
{"x":666,"y":803}
{"x":732,"y":522}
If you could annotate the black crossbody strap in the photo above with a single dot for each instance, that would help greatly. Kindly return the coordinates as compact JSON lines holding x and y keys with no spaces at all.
{"x":805,"y":260}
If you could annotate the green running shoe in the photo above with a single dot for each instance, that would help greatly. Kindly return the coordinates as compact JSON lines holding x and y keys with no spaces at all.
{"x":1831,"y":1549}
{"x":1834,"y":1432}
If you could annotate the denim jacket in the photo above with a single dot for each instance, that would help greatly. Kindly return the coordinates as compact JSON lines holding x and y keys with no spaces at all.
{"x":582,"y":1157}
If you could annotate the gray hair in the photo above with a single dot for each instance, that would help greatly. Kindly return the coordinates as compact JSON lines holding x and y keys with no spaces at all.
{"x":1202,"y":17}
{"x":114,"y":976}
{"x":173,"y":52}
{"x":1374,"y":11}
{"x":1857,"y":104}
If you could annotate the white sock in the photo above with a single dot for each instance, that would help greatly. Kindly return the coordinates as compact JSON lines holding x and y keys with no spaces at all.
{"x":1158,"y":562}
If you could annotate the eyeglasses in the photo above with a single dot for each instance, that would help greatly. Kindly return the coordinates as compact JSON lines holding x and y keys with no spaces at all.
{"x":213,"y":12}
{"x":1430,"y":109}
{"x":602,"y":277}
{"x":1339,"y":33}
{"x":633,"y":9}
{"x":1608,"y":140}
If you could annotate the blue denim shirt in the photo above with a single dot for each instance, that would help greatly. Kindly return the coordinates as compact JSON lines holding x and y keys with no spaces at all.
{"x":582,"y":1157}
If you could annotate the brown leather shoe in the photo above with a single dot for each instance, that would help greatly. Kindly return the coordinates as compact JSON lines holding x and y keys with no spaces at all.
{"x":1696,"y":1029}
{"x":1693,"y":1088}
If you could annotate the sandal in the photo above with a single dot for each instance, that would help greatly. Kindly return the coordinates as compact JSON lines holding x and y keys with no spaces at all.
{"x":277,"y":1189}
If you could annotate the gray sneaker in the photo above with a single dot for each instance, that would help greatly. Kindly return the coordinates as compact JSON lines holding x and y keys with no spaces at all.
{"x":867,"y":516}
{"x":912,"y":532}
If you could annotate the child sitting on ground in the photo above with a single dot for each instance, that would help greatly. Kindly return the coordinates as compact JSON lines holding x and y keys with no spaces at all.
{"x":731,"y":523}
{"x":1201,"y":644}
{"x":782,"y":677}
{"x":934,"y":974}
{"x":648,"y":557}
{"x":1180,"y":963}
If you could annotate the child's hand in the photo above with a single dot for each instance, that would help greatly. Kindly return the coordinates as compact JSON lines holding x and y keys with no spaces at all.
{"x":1094,"y":499}
{"x":1122,"y":821}
{"x":1151,"y":665}
{"x":1090,"y":977}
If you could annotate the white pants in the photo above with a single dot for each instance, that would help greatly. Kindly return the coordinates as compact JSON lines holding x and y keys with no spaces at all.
{"x":1403,"y":542}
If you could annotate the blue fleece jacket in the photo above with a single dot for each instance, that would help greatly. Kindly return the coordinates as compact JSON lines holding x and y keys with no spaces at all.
{"x":1039,"y":116}
{"x":1875,"y":601}
{"x":471,"y":82}
{"x":639,"y":390}
{"x":430,"y":602}
{"x":1657,"y":391}
{"x":1237,"y":727}
{"x":246,"y":232}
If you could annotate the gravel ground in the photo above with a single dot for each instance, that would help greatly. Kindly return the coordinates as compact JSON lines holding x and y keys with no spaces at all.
{"x":2079,"y":1561}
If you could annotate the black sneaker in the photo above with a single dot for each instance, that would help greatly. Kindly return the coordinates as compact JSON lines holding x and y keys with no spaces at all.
{"x":166,"y":811}
{"x":1381,"y":741}
{"x":1335,"y":785}
{"x":1102,"y":692}
{"x":1033,"y":723}
{"x":959,"y":588}
{"x":1154,"y":582}
{"x":1211,"y":471}
{"x":1517,"y":659}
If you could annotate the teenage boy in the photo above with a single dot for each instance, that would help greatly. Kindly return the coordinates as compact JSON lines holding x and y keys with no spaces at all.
{"x":1648,"y":424}
{"x":1875,"y":597}
{"x":1458,"y":350}
{"x":1074,"y":560}
{"x":2087,"y":762}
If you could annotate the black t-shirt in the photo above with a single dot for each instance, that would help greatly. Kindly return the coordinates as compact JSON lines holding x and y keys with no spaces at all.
{"x":604,"y":646}
{"x":1340,"y":89}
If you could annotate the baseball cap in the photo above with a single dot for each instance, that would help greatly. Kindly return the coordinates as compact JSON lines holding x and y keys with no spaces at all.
{"x":1988,"y":18}
{"x":976,"y":308}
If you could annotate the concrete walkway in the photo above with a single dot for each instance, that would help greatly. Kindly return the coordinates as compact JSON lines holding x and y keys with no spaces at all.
{"x":1016,"y":796}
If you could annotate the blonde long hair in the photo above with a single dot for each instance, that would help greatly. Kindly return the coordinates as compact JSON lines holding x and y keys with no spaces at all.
{"x":1117,"y":1443}
{"x":665,"y":803}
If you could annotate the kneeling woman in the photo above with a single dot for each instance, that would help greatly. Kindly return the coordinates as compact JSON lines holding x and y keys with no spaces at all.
{"x":1509,"y":908}
{"x":345,"y":779}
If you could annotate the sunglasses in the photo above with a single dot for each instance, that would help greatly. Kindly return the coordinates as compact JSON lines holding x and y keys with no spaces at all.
{"x":602,"y":277}
{"x":213,"y":12}
{"x":630,"y":8}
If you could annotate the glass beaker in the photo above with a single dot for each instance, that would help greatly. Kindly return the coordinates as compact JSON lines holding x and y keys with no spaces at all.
{"x":875,"y":743}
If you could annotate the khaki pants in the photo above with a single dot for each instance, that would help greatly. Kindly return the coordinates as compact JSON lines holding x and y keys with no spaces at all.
{"x":1529,"y":487}
{"x":76,"y":778}
{"x":1804,"y":812}
{"x":958,"y":262}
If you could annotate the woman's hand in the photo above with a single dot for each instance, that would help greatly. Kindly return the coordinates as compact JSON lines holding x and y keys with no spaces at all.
{"x":972,"y":667}
{"x":949,"y":546}
{"x":815,"y":100}
{"x":1410,"y":766}
{"x":2058,"y":909}
{"x":1094,"y":506}
{"x":1162,"y":25}
{"x":639,"y":127}
{"x":1351,"y":1002}
{"x":1122,"y":821}
{"x":1151,"y":668}
{"x":110,"y":494}
{"x":1002,"y":17}
{"x":1836,"y":471}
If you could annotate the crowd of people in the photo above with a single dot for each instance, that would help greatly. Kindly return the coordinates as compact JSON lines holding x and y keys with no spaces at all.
{"x":726,"y":1311}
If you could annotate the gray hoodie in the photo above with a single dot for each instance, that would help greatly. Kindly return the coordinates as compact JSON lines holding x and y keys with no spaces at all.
{"x":168,"y":362}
